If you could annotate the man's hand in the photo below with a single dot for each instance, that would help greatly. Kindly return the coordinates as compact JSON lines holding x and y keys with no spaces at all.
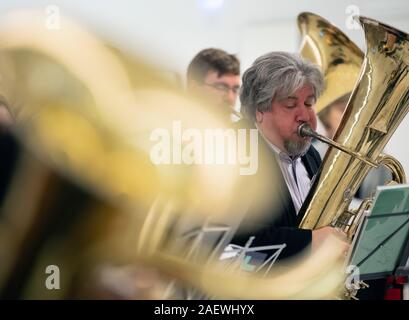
{"x":320,"y":235}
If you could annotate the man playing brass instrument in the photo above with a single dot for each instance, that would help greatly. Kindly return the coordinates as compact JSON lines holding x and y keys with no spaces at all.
{"x":278,"y":94}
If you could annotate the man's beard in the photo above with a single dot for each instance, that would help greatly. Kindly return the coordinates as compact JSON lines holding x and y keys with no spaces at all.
{"x":297,"y":148}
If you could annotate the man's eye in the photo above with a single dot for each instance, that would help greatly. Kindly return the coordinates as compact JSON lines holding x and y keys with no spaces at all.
{"x":290,"y":106}
{"x":308,"y":105}
{"x":220,"y":87}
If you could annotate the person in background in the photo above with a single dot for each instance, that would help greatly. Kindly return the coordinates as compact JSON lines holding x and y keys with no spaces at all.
{"x":213,"y":76}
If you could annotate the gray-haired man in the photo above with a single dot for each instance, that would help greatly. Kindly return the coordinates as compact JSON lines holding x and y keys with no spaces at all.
{"x":278,"y":94}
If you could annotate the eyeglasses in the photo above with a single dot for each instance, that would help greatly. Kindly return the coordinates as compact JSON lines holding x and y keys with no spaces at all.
{"x":223,"y":87}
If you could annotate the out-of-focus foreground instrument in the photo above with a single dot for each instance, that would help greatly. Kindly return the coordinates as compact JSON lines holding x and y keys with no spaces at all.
{"x":86,"y":196}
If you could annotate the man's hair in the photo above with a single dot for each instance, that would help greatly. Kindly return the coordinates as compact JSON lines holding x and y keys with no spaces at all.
{"x":276,"y":75}
{"x":340,"y":104}
{"x":212,"y":60}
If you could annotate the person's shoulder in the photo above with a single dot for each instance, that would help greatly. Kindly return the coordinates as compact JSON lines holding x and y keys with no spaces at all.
{"x":243,"y":124}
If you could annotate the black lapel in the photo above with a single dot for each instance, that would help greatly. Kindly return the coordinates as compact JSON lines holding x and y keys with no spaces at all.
{"x":312,"y":162}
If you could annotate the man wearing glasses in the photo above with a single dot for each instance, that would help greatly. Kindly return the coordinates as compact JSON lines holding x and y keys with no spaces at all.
{"x":214,"y":77}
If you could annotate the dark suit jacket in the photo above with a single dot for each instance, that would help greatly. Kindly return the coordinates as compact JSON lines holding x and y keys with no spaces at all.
{"x":280,"y":223}
{"x":9,"y":151}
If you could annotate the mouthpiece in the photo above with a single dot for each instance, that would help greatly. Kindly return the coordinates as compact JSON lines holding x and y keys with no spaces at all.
{"x":304,"y":130}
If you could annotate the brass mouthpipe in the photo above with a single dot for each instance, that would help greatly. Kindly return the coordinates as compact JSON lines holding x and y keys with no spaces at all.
{"x":236,"y":113}
{"x":304,"y":130}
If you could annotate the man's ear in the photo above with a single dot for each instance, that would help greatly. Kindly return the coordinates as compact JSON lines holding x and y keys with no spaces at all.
{"x":259,"y":116}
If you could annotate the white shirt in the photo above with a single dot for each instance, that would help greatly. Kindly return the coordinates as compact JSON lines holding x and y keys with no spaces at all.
{"x":295,"y":175}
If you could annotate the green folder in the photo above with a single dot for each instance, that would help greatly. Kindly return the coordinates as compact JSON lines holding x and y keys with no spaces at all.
{"x":381,"y":245}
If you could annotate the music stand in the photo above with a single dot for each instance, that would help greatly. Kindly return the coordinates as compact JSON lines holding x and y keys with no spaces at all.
{"x":381,"y":245}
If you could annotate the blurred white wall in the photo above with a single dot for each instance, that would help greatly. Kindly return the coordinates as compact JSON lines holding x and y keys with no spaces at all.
{"x":170,"y":33}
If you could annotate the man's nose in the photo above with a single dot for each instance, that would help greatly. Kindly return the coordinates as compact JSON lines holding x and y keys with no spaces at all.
{"x":230,"y":97}
{"x":303,"y":114}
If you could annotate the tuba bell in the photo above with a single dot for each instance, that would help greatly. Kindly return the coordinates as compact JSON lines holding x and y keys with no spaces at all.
{"x":377,"y":105}
{"x":338,"y":57}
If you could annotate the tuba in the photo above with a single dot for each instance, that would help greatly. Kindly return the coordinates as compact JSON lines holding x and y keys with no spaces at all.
{"x":377,"y":105}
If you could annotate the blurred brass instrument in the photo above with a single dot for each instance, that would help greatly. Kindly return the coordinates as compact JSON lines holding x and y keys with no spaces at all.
{"x":86,"y":196}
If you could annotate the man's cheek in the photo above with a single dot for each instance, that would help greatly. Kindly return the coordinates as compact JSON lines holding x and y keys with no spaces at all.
{"x":313,"y":122}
